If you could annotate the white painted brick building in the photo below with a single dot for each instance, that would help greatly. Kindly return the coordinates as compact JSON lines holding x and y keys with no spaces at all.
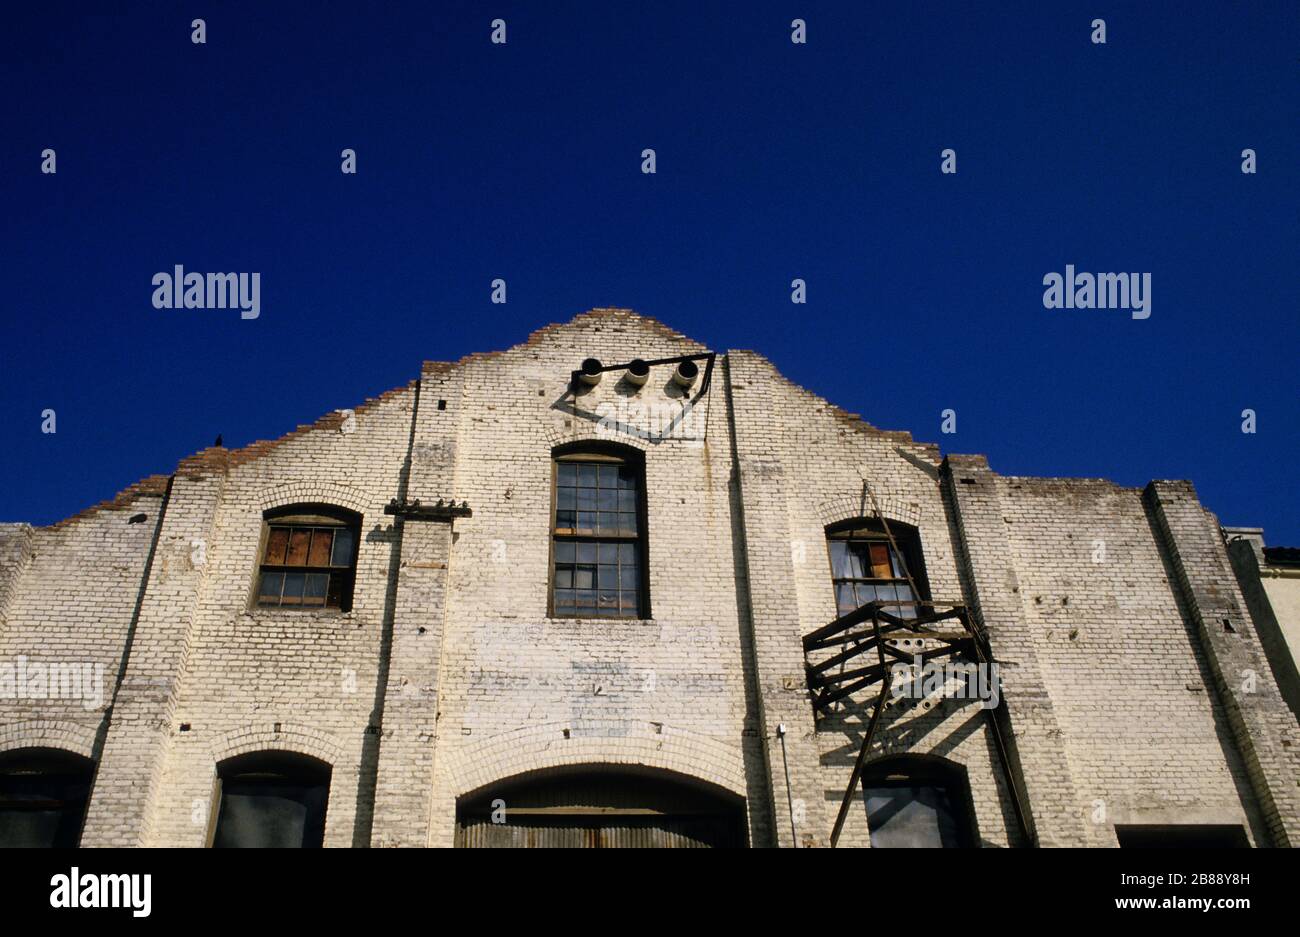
{"x":1137,"y":696}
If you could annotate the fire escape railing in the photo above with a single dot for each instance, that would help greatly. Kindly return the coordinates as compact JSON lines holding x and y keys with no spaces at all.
{"x":869,"y":629}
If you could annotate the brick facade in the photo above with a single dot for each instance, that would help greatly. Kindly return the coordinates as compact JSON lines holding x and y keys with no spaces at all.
{"x":1127,"y":696}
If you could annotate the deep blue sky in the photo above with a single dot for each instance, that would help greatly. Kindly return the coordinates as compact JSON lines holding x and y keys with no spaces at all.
{"x":775,"y":161}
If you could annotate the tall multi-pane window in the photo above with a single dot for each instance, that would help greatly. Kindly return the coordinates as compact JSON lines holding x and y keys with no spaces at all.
{"x":598,"y":544}
{"x":309,"y":557}
{"x":866,"y":567}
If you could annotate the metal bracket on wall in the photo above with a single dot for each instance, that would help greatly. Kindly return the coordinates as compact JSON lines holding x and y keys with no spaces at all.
{"x":443,"y":510}
{"x":709,"y":357}
{"x":691,"y":394}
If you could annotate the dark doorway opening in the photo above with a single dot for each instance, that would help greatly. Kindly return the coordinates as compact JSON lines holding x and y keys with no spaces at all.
{"x":43,"y":795}
{"x":601,"y":809}
{"x":272,"y":800}
{"x":917,"y":801}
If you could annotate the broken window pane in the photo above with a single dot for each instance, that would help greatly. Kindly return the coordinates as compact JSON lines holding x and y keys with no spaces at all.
{"x":864,"y":560}
{"x":880,"y":567}
{"x":270,"y":589}
{"x":293,"y":583}
{"x":314,"y":592}
{"x":342,"y":555}
{"x":839,"y":563}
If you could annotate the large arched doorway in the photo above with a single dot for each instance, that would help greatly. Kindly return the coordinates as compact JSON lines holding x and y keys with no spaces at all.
{"x":271,"y":799}
{"x":43,"y":793}
{"x":601,"y":808}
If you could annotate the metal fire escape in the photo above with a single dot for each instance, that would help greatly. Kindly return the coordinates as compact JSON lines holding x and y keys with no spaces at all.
{"x":871,"y":630}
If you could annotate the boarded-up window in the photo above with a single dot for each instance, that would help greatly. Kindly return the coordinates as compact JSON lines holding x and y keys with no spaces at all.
{"x":272,"y":800}
{"x":918,"y":803}
{"x":309,"y":559}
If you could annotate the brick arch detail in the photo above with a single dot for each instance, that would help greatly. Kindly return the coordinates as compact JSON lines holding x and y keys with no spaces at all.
{"x":308,"y":492}
{"x":927,"y":758}
{"x":537,"y":748}
{"x":582,"y":431}
{"x":36,"y":733}
{"x":290,"y":738}
{"x":847,"y":507}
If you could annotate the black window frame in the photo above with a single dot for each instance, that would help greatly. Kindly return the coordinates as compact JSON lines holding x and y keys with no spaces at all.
{"x":606,"y":454}
{"x":341,"y":579}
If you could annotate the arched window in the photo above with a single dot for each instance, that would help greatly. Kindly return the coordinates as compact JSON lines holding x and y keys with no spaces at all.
{"x":917,"y":801}
{"x":273,"y":800}
{"x":865,"y":567}
{"x":598,"y":544}
{"x":309,"y":558}
{"x":43,"y":794}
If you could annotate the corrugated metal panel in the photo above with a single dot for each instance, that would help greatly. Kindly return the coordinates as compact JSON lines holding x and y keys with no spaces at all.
{"x":588,"y":833}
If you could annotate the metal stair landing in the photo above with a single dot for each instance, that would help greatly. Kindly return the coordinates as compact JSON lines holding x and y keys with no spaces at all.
{"x":864,"y":657}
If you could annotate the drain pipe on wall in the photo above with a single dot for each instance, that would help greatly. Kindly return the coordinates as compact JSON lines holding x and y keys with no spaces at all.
{"x":789,"y":794}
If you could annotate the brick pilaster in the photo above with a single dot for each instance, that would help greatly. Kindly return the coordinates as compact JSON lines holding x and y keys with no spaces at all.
{"x":125,"y":797}
{"x":404,"y":786}
{"x":1262,"y":726}
{"x":15,"y":555}
{"x":1037,"y":749}
{"x":774,"y":620}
